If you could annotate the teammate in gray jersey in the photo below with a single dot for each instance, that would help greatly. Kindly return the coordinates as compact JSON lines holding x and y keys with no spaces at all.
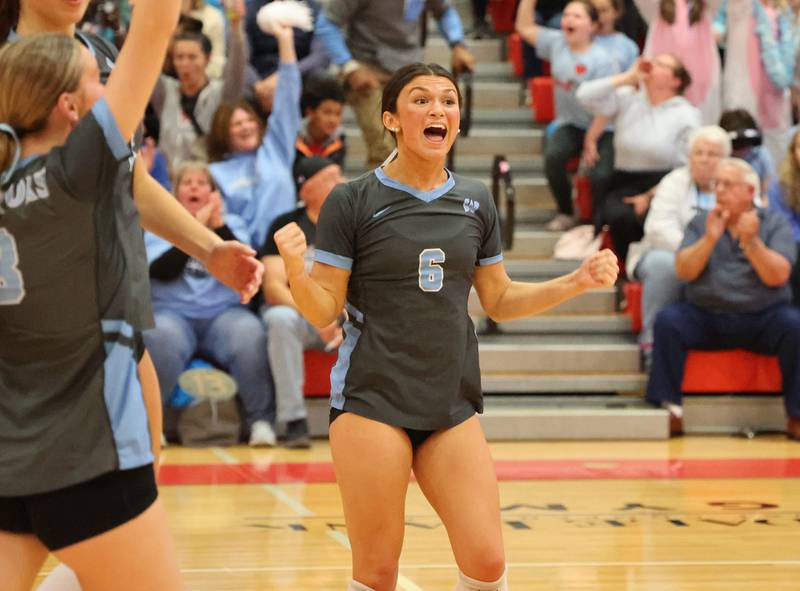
{"x":75,"y":469}
{"x":399,"y":249}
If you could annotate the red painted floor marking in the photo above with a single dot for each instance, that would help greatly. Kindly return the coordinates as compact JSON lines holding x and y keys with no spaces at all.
{"x":322,"y":472}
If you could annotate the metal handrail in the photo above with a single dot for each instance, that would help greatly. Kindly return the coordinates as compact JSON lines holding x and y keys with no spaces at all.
{"x":466,"y":114}
{"x":504,"y":196}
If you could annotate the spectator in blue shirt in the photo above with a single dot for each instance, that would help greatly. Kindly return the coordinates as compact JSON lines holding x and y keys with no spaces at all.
{"x":784,"y":197}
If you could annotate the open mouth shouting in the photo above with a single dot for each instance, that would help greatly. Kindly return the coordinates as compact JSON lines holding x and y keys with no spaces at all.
{"x":436,"y":133}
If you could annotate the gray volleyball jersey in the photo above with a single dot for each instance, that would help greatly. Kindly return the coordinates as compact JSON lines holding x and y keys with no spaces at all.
{"x":71,"y":406}
{"x":410,"y":355}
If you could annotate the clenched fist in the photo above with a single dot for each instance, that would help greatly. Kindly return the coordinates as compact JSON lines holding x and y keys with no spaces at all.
{"x":291,"y":243}
{"x":599,"y":270}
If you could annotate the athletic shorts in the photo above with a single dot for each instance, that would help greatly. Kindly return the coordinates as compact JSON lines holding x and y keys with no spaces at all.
{"x":70,"y":515}
{"x":417,"y":436}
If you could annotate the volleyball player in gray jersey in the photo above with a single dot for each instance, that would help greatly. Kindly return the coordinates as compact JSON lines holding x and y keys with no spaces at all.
{"x":75,"y":469}
{"x":399,"y":249}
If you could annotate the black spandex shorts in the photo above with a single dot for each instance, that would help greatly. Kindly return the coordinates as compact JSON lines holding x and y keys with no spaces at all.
{"x":417,"y":436}
{"x":70,"y":515}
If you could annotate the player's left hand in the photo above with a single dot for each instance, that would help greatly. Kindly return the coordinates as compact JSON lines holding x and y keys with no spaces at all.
{"x":599,"y":270}
{"x":235,"y":265}
{"x":462,"y":60}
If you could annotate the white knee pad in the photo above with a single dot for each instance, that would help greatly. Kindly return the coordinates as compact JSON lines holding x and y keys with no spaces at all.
{"x":61,"y":579}
{"x":467,"y":584}
{"x":356,"y":586}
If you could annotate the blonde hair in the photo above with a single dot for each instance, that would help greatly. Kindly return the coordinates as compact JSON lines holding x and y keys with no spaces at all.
{"x":789,"y":176}
{"x":190,"y":165}
{"x":34,"y":72}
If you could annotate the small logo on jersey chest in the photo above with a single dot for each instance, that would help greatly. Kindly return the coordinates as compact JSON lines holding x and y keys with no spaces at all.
{"x":471,"y":206}
{"x":378,"y":214}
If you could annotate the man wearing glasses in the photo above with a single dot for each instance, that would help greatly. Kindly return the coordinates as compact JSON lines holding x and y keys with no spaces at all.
{"x":736,"y":260}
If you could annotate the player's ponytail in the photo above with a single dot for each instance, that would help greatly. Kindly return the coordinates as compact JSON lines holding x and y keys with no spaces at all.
{"x":34,"y":72}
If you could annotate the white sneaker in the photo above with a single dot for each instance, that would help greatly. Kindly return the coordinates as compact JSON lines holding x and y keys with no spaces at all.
{"x":262,"y":435}
{"x":561,"y":223}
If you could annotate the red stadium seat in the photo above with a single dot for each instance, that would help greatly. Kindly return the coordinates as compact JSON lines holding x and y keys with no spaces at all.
{"x":318,"y":366}
{"x":542,"y":100}
{"x":712,"y":372}
{"x":503,"y":13}
{"x":514,"y":46}
{"x":731,"y":371}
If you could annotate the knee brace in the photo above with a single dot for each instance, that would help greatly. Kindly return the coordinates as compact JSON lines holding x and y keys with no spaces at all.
{"x":356,"y":586}
{"x":467,"y":584}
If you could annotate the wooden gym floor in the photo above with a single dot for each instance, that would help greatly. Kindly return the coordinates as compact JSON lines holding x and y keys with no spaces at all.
{"x":691,"y":514}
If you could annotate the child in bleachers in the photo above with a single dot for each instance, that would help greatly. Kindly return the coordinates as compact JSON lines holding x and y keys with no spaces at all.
{"x":574,"y":58}
{"x":684,"y":29}
{"x":624,"y":50}
{"x":748,"y":144}
{"x":322,"y":103}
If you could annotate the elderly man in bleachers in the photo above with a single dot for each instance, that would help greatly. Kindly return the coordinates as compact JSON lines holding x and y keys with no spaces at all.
{"x":736,"y":260}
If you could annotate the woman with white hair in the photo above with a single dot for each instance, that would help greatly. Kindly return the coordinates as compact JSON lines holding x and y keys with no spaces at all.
{"x":678,"y":197}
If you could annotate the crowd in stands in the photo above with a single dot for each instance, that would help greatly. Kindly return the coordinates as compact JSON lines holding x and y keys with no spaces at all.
{"x":680,"y":113}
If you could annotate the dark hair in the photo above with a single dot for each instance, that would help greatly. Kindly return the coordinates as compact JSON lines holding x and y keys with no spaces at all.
{"x":218,"y":139}
{"x":199,"y":38}
{"x":9,"y":15}
{"x":742,"y":128}
{"x":406,"y":74}
{"x":666,"y":9}
{"x":591,"y":9}
{"x":319,"y":89}
{"x":681,"y":73}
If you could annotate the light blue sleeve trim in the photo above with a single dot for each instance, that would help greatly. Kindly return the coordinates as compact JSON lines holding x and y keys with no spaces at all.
{"x":119,"y":147}
{"x":334,"y":260}
{"x":333,"y":40}
{"x":491,"y":260}
{"x":450,"y":26}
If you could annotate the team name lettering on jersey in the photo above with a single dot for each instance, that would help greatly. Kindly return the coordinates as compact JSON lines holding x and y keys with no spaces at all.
{"x":26,"y":190}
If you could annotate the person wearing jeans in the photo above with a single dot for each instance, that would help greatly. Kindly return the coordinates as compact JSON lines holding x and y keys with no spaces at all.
{"x":289,"y":333}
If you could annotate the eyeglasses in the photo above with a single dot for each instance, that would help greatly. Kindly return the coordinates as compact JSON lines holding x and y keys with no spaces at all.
{"x":724,"y":183}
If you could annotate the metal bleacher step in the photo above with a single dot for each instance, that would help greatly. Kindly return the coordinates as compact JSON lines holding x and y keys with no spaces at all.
{"x":548,"y":417}
{"x":582,"y":353}
{"x":561,"y":323}
{"x":539,"y":269}
{"x":596,"y":301}
{"x":532,"y":244}
{"x":571,"y":383}
{"x":484,"y":50}
{"x":740,"y":414}
{"x":573,"y":417}
{"x":480,"y":142}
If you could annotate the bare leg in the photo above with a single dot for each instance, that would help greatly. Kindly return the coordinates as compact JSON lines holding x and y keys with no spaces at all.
{"x":373,"y":465}
{"x":21,"y":557}
{"x":135,"y":556}
{"x":455,"y":472}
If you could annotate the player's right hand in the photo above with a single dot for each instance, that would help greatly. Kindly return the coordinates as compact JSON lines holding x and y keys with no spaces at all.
{"x":291,"y":243}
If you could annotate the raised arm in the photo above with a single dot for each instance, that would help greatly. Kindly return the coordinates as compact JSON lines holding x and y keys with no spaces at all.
{"x":600,"y":96}
{"x":139,"y":65}
{"x":504,"y":299}
{"x":233,"y":76}
{"x":525,"y":24}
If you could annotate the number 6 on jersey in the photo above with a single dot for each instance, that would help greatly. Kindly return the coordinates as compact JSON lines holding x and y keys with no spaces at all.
{"x":11,"y":287}
{"x":431,"y":275}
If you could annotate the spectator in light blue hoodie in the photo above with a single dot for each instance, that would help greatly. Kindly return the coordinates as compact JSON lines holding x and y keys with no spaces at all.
{"x":251,"y":166}
{"x":196,"y":315}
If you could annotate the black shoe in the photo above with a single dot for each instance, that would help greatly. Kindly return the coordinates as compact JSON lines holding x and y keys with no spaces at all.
{"x":297,"y":436}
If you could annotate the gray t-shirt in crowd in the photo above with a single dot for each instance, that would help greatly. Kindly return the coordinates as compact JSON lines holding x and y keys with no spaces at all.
{"x":569,"y":70}
{"x":384,"y":33}
{"x":729,"y":283}
{"x":410,"y":355}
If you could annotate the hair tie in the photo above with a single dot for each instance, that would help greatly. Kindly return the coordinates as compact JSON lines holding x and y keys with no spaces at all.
{"x":6,"y":176}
